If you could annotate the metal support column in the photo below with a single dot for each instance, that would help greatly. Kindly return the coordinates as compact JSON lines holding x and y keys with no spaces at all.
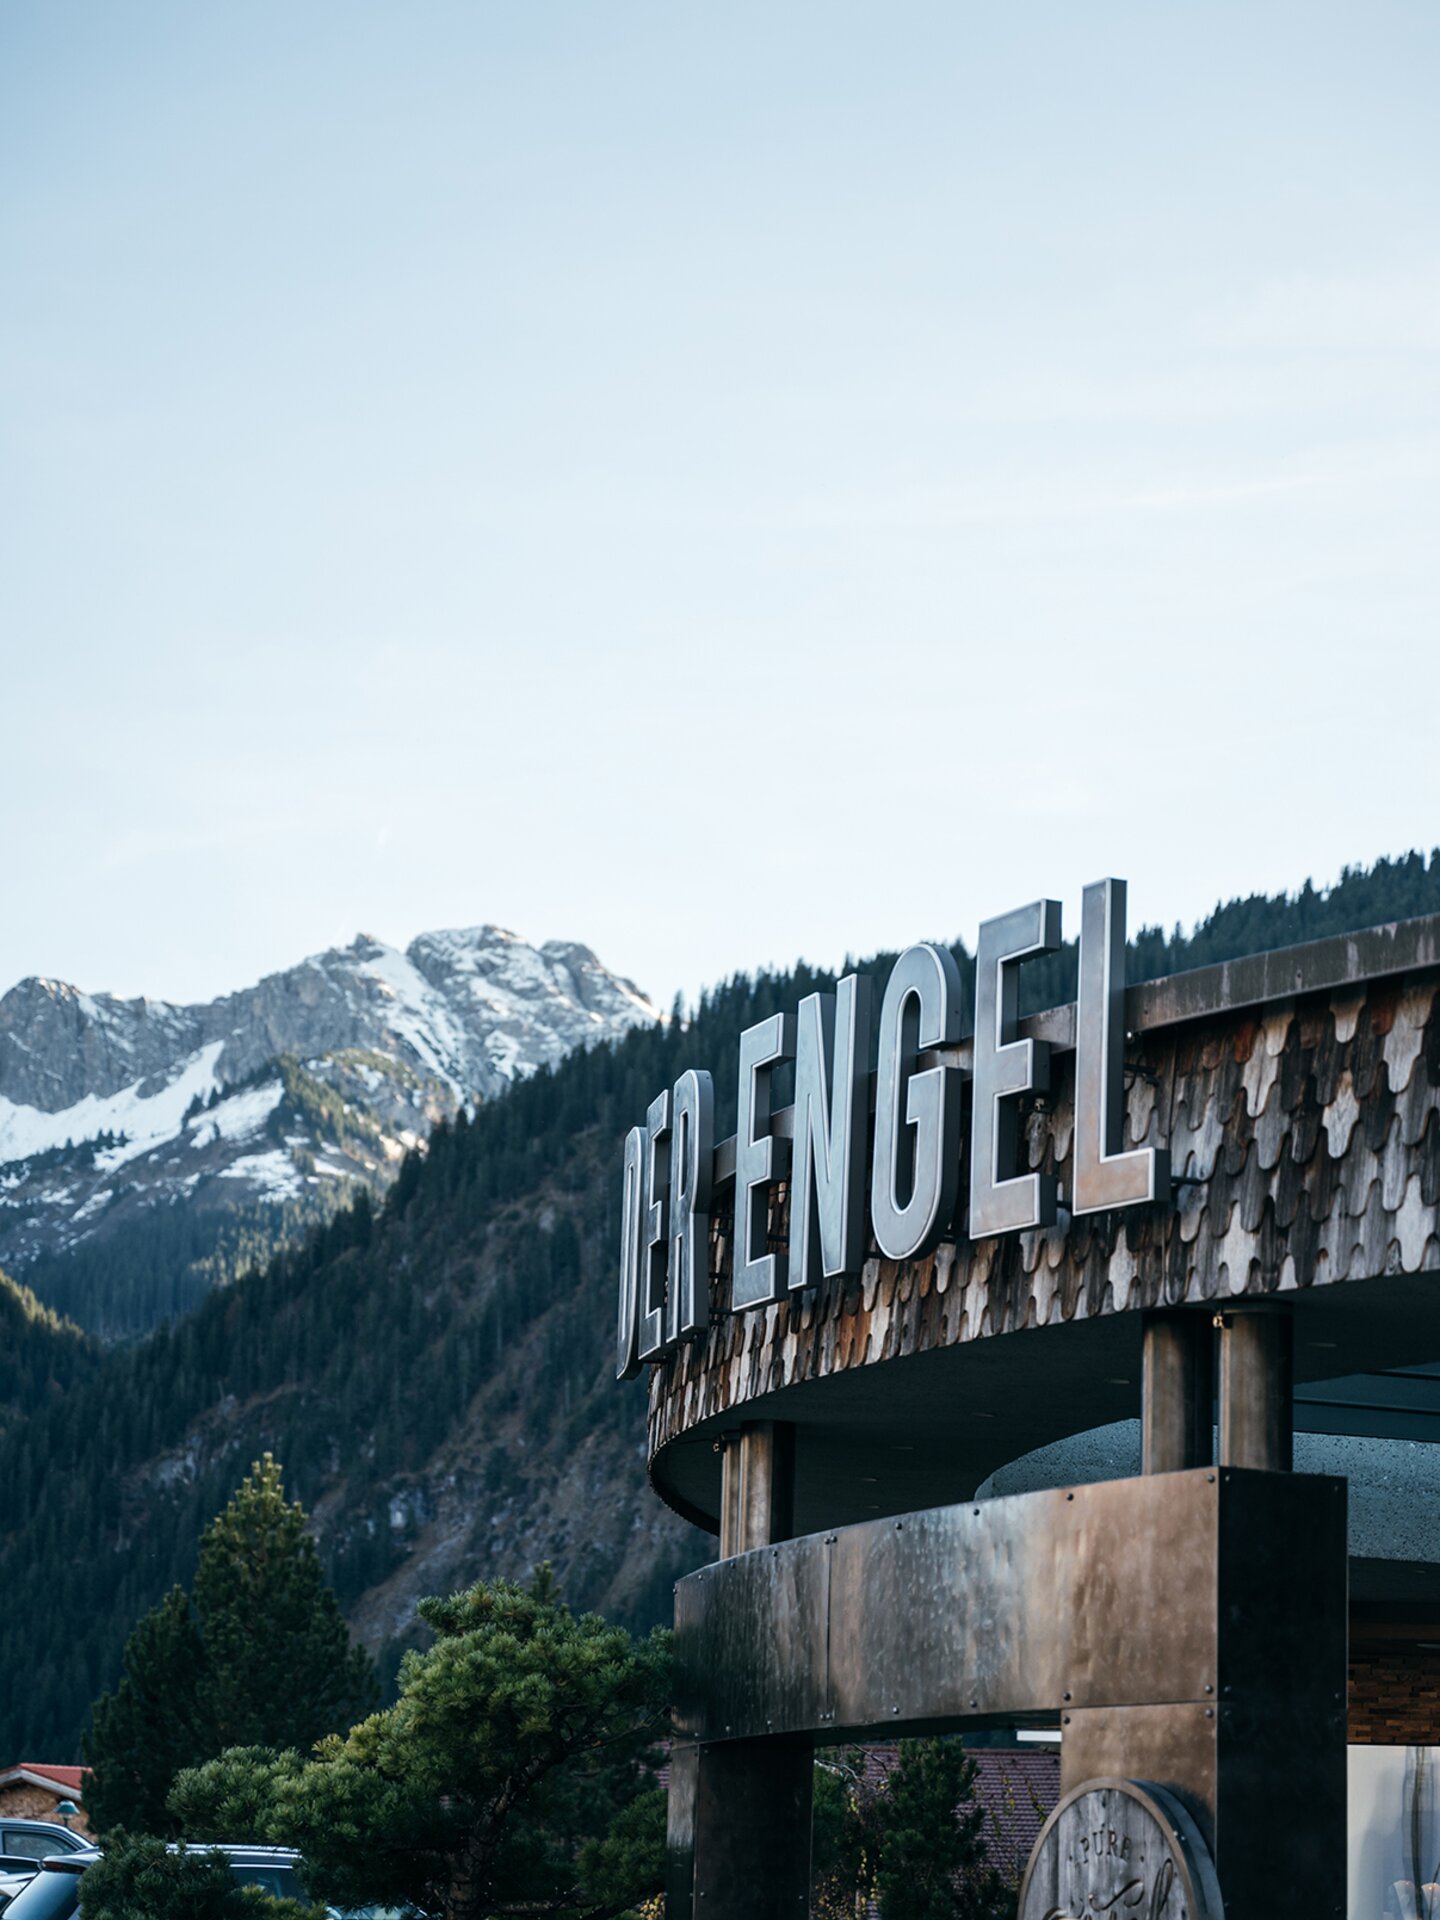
{"x":1177,"y":1392}
{"x":1257,"y":1751}
{"x":1257,"y":1371}
{"x":738,"y":1838}
{"x":757,"y":1486}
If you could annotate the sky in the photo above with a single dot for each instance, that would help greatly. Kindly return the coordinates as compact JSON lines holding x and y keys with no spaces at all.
{"x":725,"y":484}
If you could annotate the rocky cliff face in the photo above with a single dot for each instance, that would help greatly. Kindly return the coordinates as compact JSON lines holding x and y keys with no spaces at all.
{"x":288,"y":1091}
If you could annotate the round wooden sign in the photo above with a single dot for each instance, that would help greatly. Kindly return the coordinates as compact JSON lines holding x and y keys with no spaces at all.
{"x":1124,"y":1849}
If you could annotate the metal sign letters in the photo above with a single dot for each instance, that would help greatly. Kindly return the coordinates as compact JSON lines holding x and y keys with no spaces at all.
{"x":819,"y":1144}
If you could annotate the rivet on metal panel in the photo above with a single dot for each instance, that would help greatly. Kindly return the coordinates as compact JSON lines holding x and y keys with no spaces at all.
{"x":1208,"y":1687}
{"x":1211,"y":1478}
{"x":894,"y":1709}
{"x":1067,"y":1696}
{"x":1064,"y":1719}
{"x":974,"y":1703}
{"x":1209,"y":1713}
{"x":976,"y":1512}
{"x":1069,"y":1496}
{"x":899,"y":1526}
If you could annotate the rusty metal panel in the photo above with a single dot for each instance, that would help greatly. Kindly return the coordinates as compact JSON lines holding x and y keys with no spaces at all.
{"x":1020,"y":1605}
{"x":738,"y":1834}
{"x":751,"y":1850}
{"x":1176,"y":1746}
{"x":751,"y":1643}
{"x":1280,"y":1806}
{"x":1027,"y":1603}
{"x":1262,"y":1765}
{"x":1099,"y":1596}
{"x":1285,"y":1617}
{"x":684,"y":1765}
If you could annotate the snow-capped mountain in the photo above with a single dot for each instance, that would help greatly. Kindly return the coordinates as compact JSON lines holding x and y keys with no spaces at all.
{"x":319,"y":1075}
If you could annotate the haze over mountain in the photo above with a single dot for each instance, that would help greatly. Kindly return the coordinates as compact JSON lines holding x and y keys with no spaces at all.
{"x":260,"y":1110}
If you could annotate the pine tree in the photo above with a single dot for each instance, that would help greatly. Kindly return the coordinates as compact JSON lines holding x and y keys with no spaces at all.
{"x":144,"y":1732}
{"x":843,"y":1836}
{"x":260,"y":1656}
{"x":279,"y":1667}
{"x":513,"y":1774}
{"x":932,"y":1861}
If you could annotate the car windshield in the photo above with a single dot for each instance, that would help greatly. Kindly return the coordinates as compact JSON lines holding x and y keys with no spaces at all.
{"x":49,"y":1896}
{"x":281,"y":1881}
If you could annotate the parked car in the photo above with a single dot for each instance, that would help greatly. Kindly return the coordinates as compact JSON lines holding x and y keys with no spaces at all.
{"x":38,"y":1839}
{"x":14,"y":1874}
{"x":54,"y":1892}
{"x":23,"y":1845}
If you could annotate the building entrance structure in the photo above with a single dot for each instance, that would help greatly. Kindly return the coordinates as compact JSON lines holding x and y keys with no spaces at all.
{"x":1209,"y":1201}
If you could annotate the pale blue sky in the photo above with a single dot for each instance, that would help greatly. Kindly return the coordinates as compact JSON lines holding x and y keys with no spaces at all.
{"x":717,"y":482}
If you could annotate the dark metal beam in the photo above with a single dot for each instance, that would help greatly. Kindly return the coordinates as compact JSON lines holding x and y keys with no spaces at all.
{"x":1177,"y":1392}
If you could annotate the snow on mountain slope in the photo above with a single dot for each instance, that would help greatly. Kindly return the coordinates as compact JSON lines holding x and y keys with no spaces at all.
{"x":143,"y":1118}
{"x":315,"y":1077}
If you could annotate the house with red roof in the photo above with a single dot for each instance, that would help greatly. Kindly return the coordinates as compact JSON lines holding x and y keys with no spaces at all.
{"x":34,"y":1790}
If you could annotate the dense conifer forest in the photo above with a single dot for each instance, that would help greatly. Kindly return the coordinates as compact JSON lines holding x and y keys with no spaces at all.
{"x":159,"y":1267}
{"x":435,"y":1374}
{"x":42,"y":1356}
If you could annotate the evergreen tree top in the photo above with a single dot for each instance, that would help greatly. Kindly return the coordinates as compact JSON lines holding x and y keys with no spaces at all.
{"x":260,"y":1656}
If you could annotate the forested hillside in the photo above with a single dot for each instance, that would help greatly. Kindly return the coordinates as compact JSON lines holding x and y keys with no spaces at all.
{"x":41,"y":1355}
{"x":436,"y":1376}
{"x":161,"y":1263}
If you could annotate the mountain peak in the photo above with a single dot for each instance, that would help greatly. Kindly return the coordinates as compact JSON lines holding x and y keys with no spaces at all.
{"x":389,"y":1041}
